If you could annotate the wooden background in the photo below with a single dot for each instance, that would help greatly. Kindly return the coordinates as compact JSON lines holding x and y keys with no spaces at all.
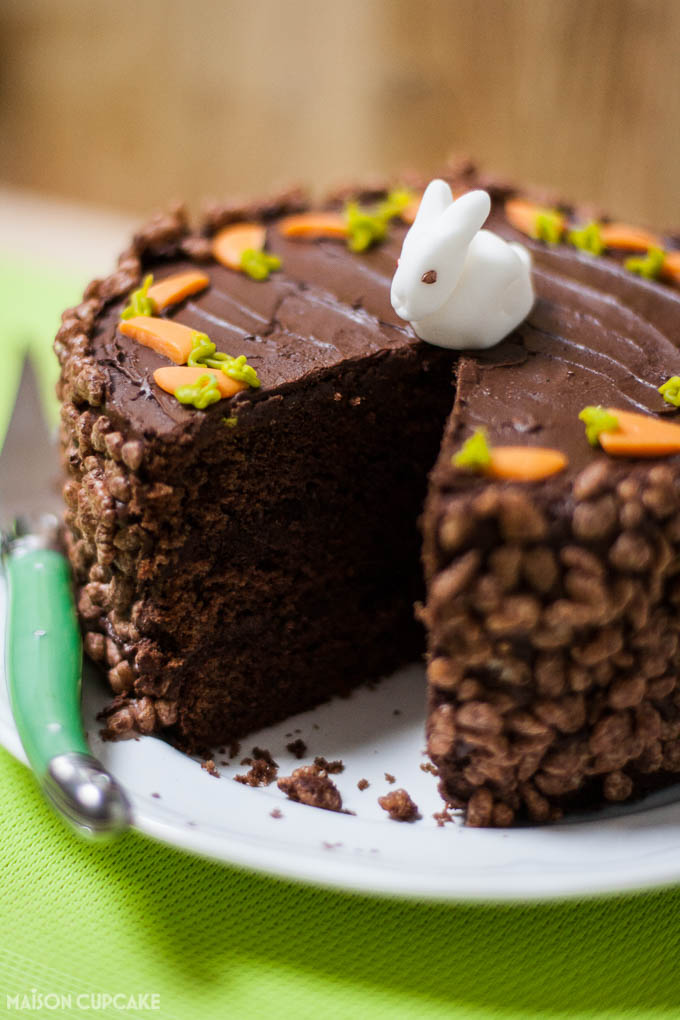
{"x":139,"y":101}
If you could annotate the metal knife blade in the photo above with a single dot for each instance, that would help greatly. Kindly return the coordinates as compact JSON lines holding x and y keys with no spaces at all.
{"x":29,"y":481}
{"x":44,"y":651}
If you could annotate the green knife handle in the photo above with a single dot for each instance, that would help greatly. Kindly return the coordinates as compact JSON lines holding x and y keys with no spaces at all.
{"x":43,"y":656}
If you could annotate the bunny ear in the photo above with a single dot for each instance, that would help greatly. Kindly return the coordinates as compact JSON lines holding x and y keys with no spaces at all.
{"x":466,"y":216}
{"x":436,"y":198}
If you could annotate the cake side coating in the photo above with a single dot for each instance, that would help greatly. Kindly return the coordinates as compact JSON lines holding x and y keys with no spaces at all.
{"x":552,"y":606}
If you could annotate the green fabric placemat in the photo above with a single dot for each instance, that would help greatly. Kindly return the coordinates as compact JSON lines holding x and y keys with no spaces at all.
{"x":32,"y":298}
{"x":212,"y":941}
{"x":139,"y":919}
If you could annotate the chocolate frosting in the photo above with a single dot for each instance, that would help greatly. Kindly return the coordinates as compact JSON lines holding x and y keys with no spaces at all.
{"x":325,"y":307}
{"x":597,"y":335}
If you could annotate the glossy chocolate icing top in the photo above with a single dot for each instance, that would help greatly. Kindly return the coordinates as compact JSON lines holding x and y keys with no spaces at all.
{"x":597,"y":335}
{"x":325,"y":306}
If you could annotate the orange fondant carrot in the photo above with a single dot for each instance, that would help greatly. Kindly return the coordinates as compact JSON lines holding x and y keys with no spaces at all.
{"x":624,"y":237}
{"x":171,"y":339}
{"x":535,"y":220}
{"x":230,"y":243}
{"x":640,"y":435}
{"x":524,"y":463}
{"x":313,"y":225}
{"x":521,"y":214}
{"x":171,"y":378}
{"x":175,"y":288}
{"x":671,"y":266}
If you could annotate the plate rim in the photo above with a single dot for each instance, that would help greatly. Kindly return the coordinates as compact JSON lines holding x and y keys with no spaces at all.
{"x":356,"y":873}
{"x":315,"y":871}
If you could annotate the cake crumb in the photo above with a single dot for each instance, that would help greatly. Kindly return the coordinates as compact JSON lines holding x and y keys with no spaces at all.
{"x":399,"y":806}
{"x":307,"y":786}
{"x":210,"y":767}
{"x":427,"y":766}
{"x":297,"y":748}
{"x":276,"y":813}
{"x":262,"y":773}
{"x":331,"y":767}
{"x":246,"y":761}
{"x":442,"y":817}
{"x":363,"y":784}
{"x":264,"y":755}
{"x":389,"y":777}
{"x":234,"y":748}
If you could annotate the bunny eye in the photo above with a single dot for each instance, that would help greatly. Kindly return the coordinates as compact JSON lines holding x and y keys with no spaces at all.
{"x":429,"y":277}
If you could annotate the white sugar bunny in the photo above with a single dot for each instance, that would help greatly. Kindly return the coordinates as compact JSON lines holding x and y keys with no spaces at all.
{"x":458,"y":285}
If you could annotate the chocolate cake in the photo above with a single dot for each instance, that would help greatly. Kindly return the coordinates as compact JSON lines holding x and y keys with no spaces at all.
{"x":242,"y":560}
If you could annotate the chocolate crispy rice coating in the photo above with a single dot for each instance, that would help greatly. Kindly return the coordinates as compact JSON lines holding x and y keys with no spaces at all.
{"x":553,"y":607}
{"x":229,"y":577}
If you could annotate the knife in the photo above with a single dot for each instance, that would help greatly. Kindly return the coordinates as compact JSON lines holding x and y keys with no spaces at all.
{"x":43,"y":647}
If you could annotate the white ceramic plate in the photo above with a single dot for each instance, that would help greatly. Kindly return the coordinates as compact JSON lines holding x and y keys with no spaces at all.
{"x":367,"y":851}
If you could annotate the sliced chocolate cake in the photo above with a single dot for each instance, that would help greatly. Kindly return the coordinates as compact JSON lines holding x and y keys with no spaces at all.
{"x":248,"y":436}
{"x":247,"y":560}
